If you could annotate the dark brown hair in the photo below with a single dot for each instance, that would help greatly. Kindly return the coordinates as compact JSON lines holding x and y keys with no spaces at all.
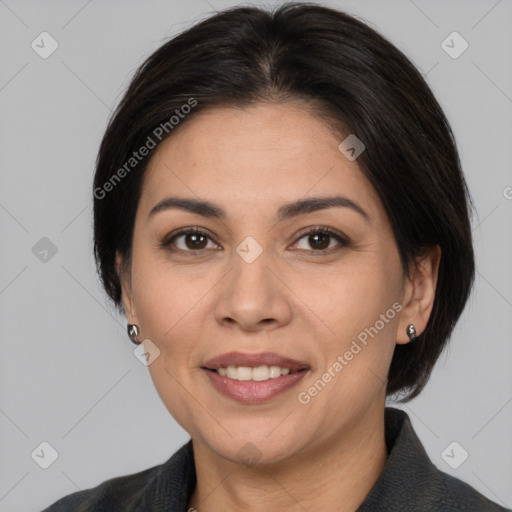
{"x":352,"y":75}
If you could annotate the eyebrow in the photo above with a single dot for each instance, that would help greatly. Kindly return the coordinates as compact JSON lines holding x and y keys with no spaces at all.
{"x":285,"y":212}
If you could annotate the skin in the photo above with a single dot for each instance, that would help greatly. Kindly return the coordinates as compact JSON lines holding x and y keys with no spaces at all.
{"x":323,"y":455}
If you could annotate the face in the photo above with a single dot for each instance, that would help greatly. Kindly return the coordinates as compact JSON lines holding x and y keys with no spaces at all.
{"x":256,"y":281}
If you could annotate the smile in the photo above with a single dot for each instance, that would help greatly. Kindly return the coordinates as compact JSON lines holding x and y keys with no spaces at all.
{"x":253,"y":378}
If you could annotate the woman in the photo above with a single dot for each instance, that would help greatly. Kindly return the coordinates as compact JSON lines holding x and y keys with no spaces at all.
{"x":281,"y":214}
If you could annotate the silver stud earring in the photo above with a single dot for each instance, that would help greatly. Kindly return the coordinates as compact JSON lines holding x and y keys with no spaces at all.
{"x":133,"y":333}
{"x":411,"y":332}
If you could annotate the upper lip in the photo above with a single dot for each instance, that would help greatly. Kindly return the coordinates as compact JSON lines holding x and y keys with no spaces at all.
{"x":253,"y":360}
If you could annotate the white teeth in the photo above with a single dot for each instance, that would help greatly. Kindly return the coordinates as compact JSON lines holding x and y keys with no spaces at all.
{"x":244,"y":373}
{"x":274,"y":371}
{"x":258,"y":373}
{"x":232,"y":372}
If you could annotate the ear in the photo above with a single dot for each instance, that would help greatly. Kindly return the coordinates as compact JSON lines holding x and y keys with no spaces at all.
{"x":419,"y":293}
{"x":126,"y":289}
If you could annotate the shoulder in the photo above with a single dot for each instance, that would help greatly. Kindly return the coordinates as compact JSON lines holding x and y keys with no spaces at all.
{"x":123,"y":491}
{"x":167,"y":485}
{"x":454,"y":495}
{"x":410,"y":480}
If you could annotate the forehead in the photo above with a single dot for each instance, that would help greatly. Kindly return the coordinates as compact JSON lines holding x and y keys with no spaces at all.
{"x":260,"y":156}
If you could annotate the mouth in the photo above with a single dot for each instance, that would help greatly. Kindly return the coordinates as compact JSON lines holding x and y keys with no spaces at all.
{"x":254,"y":378}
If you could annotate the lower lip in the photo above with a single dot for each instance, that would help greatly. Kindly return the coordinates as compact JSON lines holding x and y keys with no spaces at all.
{"x":253,"y":392}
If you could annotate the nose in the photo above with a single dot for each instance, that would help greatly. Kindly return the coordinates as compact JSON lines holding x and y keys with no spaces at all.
{"x":253,"y":296}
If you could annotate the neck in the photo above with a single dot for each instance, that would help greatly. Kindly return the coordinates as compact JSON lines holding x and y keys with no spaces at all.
{"x":335,"y":475}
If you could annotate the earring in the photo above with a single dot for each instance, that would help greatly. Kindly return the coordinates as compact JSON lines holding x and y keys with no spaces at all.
{"x":133,"y":333}
{"x":411,"y":332}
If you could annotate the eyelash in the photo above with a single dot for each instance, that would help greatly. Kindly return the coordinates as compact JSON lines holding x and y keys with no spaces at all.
{"x":344,"y":242}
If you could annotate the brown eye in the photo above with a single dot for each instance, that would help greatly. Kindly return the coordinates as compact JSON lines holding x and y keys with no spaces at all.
{"x":319,"y":239}
{"x":189,"y":240}
{"x":195,"y":241}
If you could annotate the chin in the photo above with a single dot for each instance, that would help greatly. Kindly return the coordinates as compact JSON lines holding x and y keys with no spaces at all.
{"x":249,"y":448}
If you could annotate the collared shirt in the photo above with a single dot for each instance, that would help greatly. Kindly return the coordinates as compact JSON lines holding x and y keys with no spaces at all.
{"x":409,"y":482}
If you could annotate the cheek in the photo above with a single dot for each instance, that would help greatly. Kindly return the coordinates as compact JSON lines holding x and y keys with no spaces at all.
{"x":170,"y":309}
{"x":360,"y":305}
{"x":350,"y":298}
{"x":168,"y":297}
{"x":362,"y":313}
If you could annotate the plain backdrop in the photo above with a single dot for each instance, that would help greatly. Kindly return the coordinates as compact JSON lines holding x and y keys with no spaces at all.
{"x":68,"y":375}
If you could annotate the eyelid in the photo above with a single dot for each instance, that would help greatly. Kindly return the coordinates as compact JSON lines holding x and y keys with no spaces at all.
{"x":323,"y":229}
{"x":340,"y":237}
{"x":334,"y":233}
{"x":168,"y":239}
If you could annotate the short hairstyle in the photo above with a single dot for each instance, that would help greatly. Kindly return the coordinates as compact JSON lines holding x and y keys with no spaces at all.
{"x":355,"y":80}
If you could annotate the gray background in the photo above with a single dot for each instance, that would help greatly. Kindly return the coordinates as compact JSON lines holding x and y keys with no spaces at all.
{"x":68,"y":373}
